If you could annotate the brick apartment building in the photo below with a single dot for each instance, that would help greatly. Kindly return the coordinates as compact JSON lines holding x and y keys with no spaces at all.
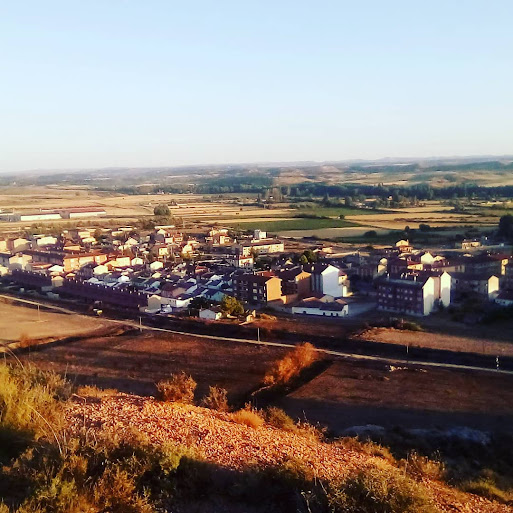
{"x":256,"y":288}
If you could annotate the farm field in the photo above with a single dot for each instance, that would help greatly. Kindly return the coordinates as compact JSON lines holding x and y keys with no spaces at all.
{"x":357,"y":394}
{"x":332,"y":233}
{"x":134,"y":363}
{"x":20,"y":321}
{"x":346,"y":394}
{"x":443,"y":341}
{"x":398,"y":220}
{"x":281,"y":225}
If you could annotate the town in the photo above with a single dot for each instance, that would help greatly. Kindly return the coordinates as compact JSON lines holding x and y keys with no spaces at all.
{"x":166,"y":271}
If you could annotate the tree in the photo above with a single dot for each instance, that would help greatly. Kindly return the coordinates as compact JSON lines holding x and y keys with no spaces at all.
{"x":162,"y":211}
{"x":231,"y":305}
{"x":310,"y":256}
{"x":198,"y":303}
{"x":506,"y":227}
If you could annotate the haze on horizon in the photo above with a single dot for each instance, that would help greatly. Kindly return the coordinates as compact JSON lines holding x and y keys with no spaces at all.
{"x":159,"y":83}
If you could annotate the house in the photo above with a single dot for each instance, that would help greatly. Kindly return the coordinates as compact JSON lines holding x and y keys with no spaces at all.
{"x":241,"y":261}
{"x":485,"y":285}
{"x":469,"y":244}
{"x":156,"y":302}
{"x":257,"y":288}
{"x":404,"y":246}
{"x":18,"y":244}
{"x":295,"y":281}
{"x":46,"y":240}
{"x":213,"y":313}
{"x":262,"y":247}
{"x":505,"y":298}
{"x":414,"y":293}
{"x":313,"y":306}
{"x":155,"y":266}
{"x":508,"y":276}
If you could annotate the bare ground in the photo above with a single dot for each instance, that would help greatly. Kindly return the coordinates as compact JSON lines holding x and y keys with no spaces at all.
{"x":218,"y":439}
{"x":20,"y":321}
{"x":438,"y":341}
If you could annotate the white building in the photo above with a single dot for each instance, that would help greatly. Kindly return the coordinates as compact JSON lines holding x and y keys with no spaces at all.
{"x":211,"y":314}
{"x":326,"y":279}
{"x":338,"y":308}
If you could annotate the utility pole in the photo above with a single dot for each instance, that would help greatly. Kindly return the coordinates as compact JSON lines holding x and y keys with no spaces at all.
{"x":258,"y":334}
{"x":140,"y":323}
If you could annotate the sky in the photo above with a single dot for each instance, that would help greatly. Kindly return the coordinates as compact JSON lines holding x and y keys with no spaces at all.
{"x":103,"y":83}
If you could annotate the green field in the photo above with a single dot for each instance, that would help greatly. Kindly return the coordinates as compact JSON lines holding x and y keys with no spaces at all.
{"x":294,"y":224}
{"x":336,"y":211}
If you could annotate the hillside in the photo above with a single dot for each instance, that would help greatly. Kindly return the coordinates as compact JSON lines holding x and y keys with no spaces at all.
{"x":216,"y":438}
{"x":85,"y":450}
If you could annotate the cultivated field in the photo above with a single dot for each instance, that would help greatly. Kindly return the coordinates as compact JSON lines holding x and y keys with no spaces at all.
{"x":24,"y":322}
{"x":304,"y":224}
{"x":355,"y":394}
{"x":442,"y":341}
{"x":344,"y":395}
{"x":134,"y":363}
{"x":398,"y":220}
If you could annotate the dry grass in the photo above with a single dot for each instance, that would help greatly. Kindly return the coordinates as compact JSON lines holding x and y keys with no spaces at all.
{"x":381,"y":489}
{"x":248,"y":417}
{"x":179,"y":388}
{"x":288,"y":367}
{"x":216,"y":399}
{"x":419,"y":467}
{"x":26,"y":341}
{"x":277,"y":418}
{"x":97,"y":393}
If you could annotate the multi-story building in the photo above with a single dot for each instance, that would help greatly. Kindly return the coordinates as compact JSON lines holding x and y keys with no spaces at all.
{"x":414,"y":293}
{"x":485,"y":285}
{"x":493,"y":263}
{"x":327,"y":279}
{"x":256,"y":288}
{"x":295,"y":281}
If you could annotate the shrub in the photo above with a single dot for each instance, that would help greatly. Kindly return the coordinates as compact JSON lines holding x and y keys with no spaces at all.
{"x":179,"y":388}
{"x":216,"y":399}
{"x":29,"y":400}
{"x":419,"y":466}
{"x":380,"y":490}
{"x":248,"y":417}
{"x":279,"y":419}
{"x":486,"y":487}
{"x":291,"y":364}
{"x":26,"y":341}
{"x":116,"y":490}
{"x":368,"y":447}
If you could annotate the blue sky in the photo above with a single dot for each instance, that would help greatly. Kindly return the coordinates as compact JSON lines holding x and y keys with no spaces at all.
{"x":155,"y":83}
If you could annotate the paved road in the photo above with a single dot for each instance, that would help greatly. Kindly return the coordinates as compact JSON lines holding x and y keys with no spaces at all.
{"x":338,"y":354}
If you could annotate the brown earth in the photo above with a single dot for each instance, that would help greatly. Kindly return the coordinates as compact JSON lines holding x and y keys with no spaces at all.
{"x":348,"y":393}
{"x":218,"y":439}
{"x":17,"y":321}
{"x":358,"y":393}
{"x":438,"y":341}
{"x":134,"y":363}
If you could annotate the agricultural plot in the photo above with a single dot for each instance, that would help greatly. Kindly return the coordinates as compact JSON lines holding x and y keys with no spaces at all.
{"x":303,"y":224}
{"x":21,"y":322}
